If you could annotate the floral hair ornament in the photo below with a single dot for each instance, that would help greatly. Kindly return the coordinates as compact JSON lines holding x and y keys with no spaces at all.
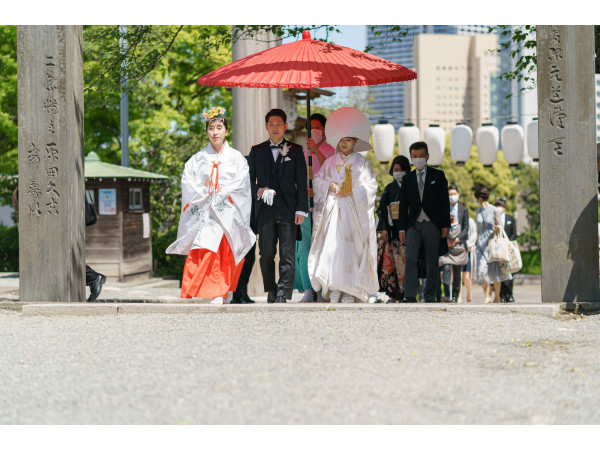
{"x":214,"y":112}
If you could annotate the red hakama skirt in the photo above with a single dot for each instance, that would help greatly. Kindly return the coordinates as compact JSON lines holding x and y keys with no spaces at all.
{"x":208,"y":274}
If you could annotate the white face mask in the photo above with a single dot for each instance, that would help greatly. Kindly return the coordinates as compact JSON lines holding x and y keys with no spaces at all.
{"x":453,"y":199}
{"x":419,"y":163}
{"x":316,"y":135}
{"x":398,"y":176}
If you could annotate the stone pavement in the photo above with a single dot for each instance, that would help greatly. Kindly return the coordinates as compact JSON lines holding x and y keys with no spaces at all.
{"x":294,"y":367}
{"x":160,"y":290}
{"x":129,"y":363}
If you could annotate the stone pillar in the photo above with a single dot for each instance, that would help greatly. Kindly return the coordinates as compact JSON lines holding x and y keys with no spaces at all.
{"x":250,"y":105}
{"x":51,"y":172}
{"x":248,"y":121}
{"x":568,"y":178}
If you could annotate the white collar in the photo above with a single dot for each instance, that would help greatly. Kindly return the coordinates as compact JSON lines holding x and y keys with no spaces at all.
{"x":211,"y":148}
{"x":346,"y":157}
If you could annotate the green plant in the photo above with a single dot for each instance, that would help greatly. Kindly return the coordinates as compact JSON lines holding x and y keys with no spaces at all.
{"x":9,"y":249}
{"x":532,"y":262}
{"x":169,"y":265}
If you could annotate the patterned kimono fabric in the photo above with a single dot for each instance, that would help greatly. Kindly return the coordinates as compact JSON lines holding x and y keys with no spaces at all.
{"x":391,"y":256}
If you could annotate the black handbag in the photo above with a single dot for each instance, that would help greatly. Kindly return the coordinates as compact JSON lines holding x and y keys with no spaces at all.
{"x":90,"y":212}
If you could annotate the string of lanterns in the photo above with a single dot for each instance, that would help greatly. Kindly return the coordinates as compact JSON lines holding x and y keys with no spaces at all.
{"x":461,"y":141}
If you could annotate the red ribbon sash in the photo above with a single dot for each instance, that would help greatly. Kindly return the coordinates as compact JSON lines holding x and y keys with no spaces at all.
{"x":213,"y":181}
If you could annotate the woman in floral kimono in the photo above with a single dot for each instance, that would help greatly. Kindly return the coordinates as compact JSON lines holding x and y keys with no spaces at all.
{"x":214,"y":227}
{"x":343,"y":256}
{"x":391,"y":253}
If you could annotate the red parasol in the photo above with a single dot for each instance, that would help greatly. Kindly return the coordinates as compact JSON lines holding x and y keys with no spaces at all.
{"x":308,"y":64}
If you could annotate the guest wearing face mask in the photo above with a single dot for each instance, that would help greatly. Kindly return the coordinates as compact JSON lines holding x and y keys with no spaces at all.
{"x":452,"y":262}
{"x":461,"y":213}
{"x":424,"y":220}
{"x":391,"y":253}
{"x":489,"y":274}
{"x":510,"y":227}
{"x":320,"y":150}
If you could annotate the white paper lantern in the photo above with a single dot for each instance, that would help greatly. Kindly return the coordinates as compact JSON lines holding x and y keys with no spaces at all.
{"x":407,"y":134}
{"x":512,"y":143}
{"x":532,"y":140}
{"x":435,"y":138}
{"x":383,"y":141}
{"x":461,"y":141}
{"x":487,"y":144}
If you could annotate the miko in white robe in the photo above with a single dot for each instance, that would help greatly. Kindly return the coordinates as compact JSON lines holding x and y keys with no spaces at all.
{"x":343,"y":254}
{"x":214,"y":225}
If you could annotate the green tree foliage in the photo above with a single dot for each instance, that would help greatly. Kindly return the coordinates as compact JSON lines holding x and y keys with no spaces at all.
{"x":9,"y":135}
{"x":165,"y":127}
{"x":529,"y":196}
{"x":522,"y":46}
{"x":9,"y":249}
{"x":498,"y":179}
{"x":164,"y":95}
{"x":163,"y":64}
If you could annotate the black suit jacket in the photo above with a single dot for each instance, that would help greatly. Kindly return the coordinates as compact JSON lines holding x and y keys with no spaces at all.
{"x":436,"y":202}
{"x":292,"y":175}
{"x":510,"y":226}
{"x":253,"y":224}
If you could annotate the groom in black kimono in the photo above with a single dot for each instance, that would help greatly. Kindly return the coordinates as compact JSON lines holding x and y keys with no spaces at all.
{"x":279,"y":186}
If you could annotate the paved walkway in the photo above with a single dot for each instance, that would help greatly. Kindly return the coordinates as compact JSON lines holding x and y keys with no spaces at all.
{"x":519,"y":363}
{"x":293,"y":367}
{"x":166,"y":291}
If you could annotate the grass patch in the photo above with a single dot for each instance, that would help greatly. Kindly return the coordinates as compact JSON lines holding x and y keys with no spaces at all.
{"x":532,"y":262}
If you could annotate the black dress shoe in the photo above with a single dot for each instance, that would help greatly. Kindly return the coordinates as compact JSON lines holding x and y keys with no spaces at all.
{"x":510,"y":299}
{"x":281,"y":299}
{"x":248,"y":299}
{"x":409,"y":300}
{"x":96,"y":288}
{"x":271,"y":297}
{"x":237,"y":301}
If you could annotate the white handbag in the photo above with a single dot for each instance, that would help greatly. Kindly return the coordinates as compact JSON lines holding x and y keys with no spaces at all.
{"x":498,"y":247}
{"x":514,"y":263}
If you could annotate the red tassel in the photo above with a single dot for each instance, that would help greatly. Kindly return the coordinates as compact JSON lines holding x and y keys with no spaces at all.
{"x":186,"y":207}
{"x":230,"y":199}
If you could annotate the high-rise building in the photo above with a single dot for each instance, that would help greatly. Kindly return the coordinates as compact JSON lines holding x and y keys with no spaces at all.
{"x":455,"y":80}
{"x":503,"y":102}
{"x":387,"y":100}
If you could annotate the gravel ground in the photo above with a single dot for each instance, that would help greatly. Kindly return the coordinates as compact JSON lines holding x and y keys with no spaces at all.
{"x":351,"y":367}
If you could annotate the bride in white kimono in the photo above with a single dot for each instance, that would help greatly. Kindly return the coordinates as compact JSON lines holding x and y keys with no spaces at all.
{"x":214,"y":227}
{"x":343,"y":255}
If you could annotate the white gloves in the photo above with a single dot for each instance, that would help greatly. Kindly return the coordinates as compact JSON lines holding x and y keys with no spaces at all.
{"x":267,"y":196}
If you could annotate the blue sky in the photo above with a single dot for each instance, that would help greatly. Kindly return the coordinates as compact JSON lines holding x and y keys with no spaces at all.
{"x":353,"y":36}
